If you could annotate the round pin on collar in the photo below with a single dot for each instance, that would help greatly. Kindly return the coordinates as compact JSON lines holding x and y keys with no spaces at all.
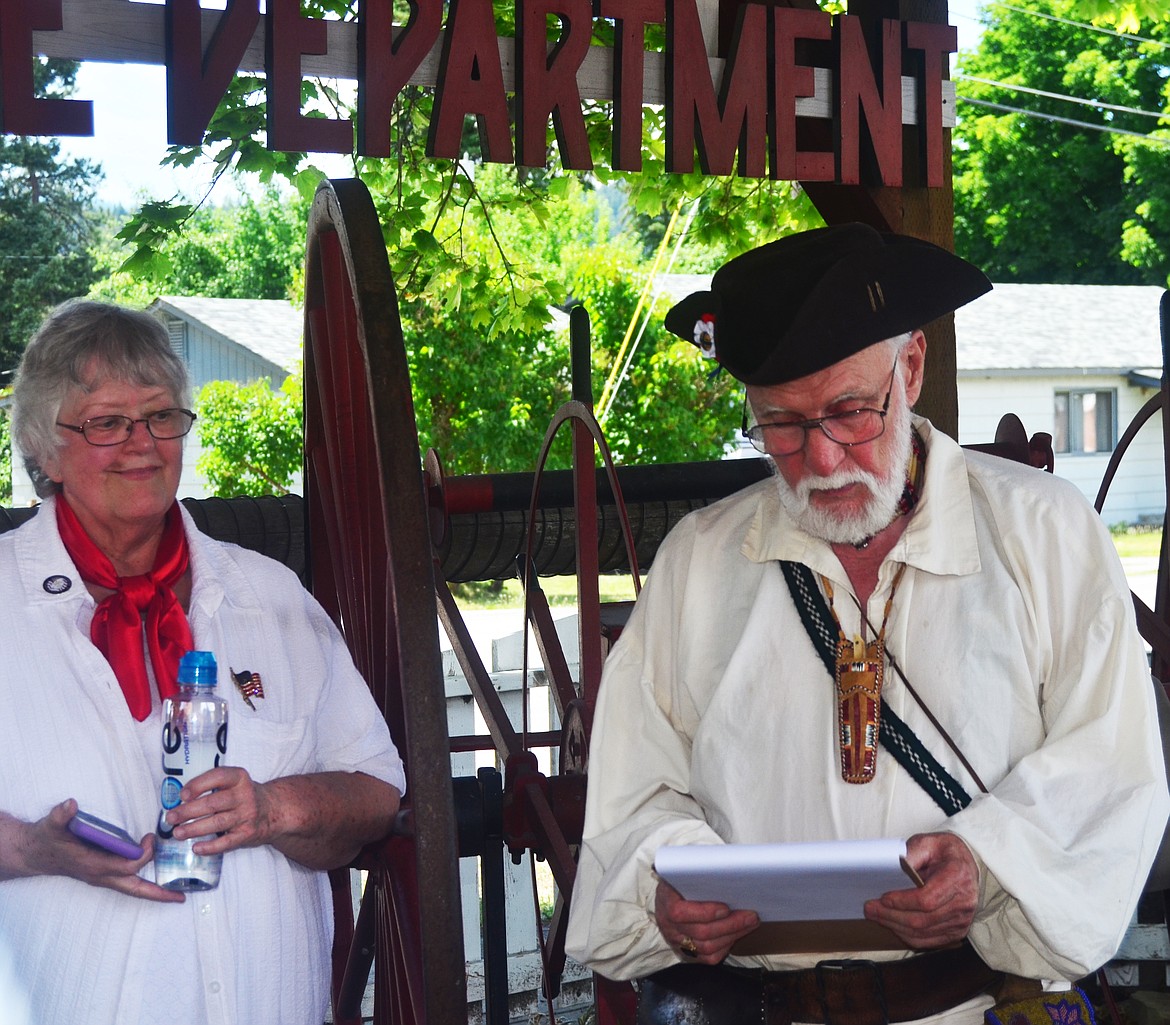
{"x":57,"y":584}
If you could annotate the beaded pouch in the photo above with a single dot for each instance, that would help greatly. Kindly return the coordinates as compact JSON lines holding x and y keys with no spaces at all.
{"x":1068,"y":1008}
{"x":860,"y":671}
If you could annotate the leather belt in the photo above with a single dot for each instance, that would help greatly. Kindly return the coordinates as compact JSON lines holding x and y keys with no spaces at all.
{"x":849,"y":992}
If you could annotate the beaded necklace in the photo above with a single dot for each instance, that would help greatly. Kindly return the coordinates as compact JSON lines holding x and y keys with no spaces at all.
{"x":912,"y":488}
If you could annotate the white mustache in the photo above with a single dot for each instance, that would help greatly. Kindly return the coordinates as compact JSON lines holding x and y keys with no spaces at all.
{"x":835,"y":480}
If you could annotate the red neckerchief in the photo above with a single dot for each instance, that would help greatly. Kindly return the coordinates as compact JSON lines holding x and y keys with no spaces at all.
{"x":118,"y":623}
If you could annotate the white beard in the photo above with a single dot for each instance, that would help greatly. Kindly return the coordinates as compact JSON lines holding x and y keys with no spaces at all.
{"x":846,"y":527}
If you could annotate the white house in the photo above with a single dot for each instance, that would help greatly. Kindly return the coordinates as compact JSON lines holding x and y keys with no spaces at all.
{"x":241,"y":340}
{"x":1073,"y":361}
{"x":233,"y":339}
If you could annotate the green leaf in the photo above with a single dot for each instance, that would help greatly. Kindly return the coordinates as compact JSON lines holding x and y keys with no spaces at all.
{"x":425,"y":242}
{"x":306,"y":182}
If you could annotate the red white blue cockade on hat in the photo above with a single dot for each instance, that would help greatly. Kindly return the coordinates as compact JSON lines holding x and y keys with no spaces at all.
{"x":705,"y":335}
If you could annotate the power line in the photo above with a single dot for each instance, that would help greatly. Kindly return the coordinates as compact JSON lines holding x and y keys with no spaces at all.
{"x":1063,"y":96}
{"x":1081,"y":25}
{"x":603,"y":412}
{"x":1098,"y":104}
{"x":1064,"y":120}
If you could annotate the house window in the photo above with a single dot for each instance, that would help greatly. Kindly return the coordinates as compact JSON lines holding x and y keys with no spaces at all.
{"x":177,"y":329}
{"x":1085,"y":421}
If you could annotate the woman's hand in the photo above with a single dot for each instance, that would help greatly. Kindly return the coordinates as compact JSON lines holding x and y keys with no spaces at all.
{"x":702,"y":931}
{"x":228,"y":802}
{"x":321,"y":820}
{"x":940,"y":912}
{"x":48,"y":848}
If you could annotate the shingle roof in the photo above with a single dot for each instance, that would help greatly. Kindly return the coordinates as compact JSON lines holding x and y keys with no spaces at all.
{"x":678,"y":286}
{"x":1108,"y":327}
{"x":1039,"y":327}
{"x":271,"y":328}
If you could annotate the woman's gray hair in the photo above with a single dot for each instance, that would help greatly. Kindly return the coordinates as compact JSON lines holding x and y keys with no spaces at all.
{"x":80,"y":345}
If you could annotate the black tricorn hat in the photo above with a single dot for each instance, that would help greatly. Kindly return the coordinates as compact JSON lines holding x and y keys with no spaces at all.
{"x":807,"y":301}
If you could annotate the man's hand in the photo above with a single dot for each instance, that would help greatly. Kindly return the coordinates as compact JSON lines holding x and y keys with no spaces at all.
{"x":703,"y":931}
{"x":47,"y":847}
{"x":939,"y":913}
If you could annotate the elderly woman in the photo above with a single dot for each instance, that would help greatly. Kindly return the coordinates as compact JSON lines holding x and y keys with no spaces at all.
{"x":100,"y":594}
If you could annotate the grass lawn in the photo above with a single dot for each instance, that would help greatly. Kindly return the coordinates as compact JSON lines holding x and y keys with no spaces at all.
{"x":1136,"y":543}
{"x":560,"y":591}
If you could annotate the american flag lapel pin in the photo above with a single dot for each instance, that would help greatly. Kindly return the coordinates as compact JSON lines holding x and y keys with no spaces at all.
{"x":249,"y":685}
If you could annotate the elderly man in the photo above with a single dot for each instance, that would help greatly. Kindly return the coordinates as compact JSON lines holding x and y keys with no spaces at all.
{"x":968,"y":611}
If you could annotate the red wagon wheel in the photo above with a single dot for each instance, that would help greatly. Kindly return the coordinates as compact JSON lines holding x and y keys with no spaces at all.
{"x":371,"y":567}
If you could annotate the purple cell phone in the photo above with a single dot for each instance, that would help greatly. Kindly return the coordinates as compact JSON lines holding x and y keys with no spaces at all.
{"x":99,"y":833}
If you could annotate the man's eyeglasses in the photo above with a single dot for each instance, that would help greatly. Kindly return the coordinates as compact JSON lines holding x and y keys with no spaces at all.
{"x":163,"y":424}
{"x":853,"y":427}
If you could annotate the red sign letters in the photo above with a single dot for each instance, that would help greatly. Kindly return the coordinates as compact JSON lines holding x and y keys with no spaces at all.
{"x":803,"y":95}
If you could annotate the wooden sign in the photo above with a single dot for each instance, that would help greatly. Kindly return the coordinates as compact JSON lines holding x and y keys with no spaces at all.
{"x":802,"y":95}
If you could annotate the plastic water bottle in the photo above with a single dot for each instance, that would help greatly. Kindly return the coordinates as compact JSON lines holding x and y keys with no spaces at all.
{"x":194,"y":740}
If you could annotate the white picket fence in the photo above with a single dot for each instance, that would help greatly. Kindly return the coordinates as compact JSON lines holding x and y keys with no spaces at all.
{"x":500,"y":645}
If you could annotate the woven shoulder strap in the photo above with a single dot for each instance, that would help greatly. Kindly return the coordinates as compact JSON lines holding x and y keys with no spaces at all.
{"x":894,"y":734}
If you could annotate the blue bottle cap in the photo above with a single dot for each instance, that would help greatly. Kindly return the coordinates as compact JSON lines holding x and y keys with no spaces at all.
{"x":198,"y":668}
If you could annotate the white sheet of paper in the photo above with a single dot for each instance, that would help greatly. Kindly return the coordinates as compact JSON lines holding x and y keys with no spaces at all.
{"x":792,"y":882}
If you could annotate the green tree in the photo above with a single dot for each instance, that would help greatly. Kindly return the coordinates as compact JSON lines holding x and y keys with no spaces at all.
{"x":45,"y":225}
{"x":1122,"y":15}
{"x":252,"y":436}
{"x":5,"y":460}
{"x":641,"y":371}
{"x":489,"y":367}
{"x":252,"y":248}
{"x":1041,"y":199}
